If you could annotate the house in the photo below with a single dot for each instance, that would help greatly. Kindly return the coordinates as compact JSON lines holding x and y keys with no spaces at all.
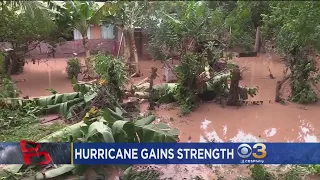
{"x":100,"y":37}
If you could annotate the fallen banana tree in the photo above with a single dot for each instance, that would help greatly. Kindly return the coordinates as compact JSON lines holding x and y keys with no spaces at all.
{"x":105,"y":126}
{"x":67,"y":104}
{"x":99,"y":123}
{"x":166,"y":92}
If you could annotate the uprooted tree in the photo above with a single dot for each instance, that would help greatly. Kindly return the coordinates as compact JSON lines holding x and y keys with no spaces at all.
{"x":185,"y":31}
{"x":98,"y":114}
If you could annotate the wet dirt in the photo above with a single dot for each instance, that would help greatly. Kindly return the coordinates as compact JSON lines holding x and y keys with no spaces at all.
{"x":271,"y":122}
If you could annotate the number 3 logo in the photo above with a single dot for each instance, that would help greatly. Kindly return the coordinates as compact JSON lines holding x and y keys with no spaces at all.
{"x":261,"y":148}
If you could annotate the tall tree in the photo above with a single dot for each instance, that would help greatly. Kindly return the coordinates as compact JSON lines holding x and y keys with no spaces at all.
{"x":83,"y":14}
{"x":127,"y":16}
{"x":245,"y":22}
{"x":176,"y":26}
{"x":24,"y":25}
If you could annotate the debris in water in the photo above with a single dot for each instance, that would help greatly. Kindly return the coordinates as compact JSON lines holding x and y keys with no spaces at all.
{"x":270,"y":132}
{"x":205,"y":124}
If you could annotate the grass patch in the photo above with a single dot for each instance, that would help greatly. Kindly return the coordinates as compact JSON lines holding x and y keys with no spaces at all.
{"x":32,"y":132}
{"x":16,"y":125}
{"x":148,"y":174}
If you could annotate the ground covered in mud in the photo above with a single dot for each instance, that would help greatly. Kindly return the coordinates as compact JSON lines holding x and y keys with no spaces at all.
{"x":269,"y":122}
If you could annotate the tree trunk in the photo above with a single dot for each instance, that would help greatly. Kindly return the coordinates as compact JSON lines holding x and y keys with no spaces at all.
{"x":257,"y":41}
{"x":262,"y":45}
{"x":10,"y":65}
{"x":134,"y":50}
{"x":235,"y":90}
{"x":14,"y":62}
{"x":88,"y":62}
{"x":153,"y":76}
{"x":279,"y":97}
{"x":127,"y":47}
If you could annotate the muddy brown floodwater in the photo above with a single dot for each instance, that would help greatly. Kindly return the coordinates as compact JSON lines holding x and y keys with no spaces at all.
{"x":271,"y":122}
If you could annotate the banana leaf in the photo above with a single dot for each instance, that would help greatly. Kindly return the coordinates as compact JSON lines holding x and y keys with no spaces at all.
{"x":73,"y":130}
{"x":217,"y":79}
{"x":111,"y":116}
{"x":57,"y":98}
{"x":119,"y":111}
{"x":165,"y":86}
{"x":124,"y":131}
{"x":157,"y":133}
{"x":55,"y":172}
{"x":62,"y":108}
{"x":59,"y":103}
{"x":126,"y":173}
{"x":145,"y":121}
{"x":145,"y":86}
{"x":81,"y":87}
{"x":98,"y":129}
{"x":65,"y":133}
{"x":89,"y":96}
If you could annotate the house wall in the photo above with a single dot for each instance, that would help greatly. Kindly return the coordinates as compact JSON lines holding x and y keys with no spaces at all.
{"x":95,"y":32}
{"x":68,"y":48}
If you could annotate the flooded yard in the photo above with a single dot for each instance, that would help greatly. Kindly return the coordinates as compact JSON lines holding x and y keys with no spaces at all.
{"x":269,"y":122}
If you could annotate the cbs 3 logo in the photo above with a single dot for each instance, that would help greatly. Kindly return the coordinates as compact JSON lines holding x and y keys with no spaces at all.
{"x":245,"y":151}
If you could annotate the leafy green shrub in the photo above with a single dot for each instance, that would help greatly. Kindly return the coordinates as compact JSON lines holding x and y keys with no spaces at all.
{"x":294,"y":173}
{"x":315,"y":168}
{"x":2,"y":64}
{"x":302,"y":80}
{"x":8,"y":89}
{"x":73,"y":67}
{"x":186,"y":89}
{"x":112,"y":71}
{"x":259,"y":172}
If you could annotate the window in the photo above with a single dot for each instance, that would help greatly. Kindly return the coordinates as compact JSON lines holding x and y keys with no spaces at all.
{"x":77,"y":35}
{"x":107,"y":32}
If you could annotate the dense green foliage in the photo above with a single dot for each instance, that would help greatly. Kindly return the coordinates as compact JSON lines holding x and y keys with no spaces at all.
{"x":24,"y":25}
{"x":243,"y":21}
{"x":113,"y":72}
{"x":186,"y":90}
{"x":8,"y":89}
{"x":294,"y":30}
{"x":97,"y":125}
{"x":2,"y":64}
{"x":174,"y":29}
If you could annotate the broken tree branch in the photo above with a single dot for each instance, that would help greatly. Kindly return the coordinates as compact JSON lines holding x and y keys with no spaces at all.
{"x":153,"y":76}
{"x":278,"y":88}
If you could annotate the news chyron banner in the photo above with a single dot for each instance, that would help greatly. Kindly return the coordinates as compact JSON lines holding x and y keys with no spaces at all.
{"x":197,"y":153}
{"x":26,"y":152}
